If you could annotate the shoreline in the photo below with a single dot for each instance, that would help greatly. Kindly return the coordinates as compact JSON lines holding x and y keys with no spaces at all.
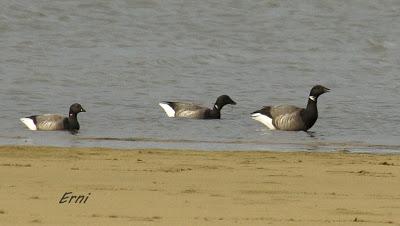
{"x":196,"y":145}
{"x":186,"y":187}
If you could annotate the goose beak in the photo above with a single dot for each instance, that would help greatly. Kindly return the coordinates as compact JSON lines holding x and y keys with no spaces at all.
{"x":83,"y":110}
{"x":326,"y":90}
{"x":233,"y":102}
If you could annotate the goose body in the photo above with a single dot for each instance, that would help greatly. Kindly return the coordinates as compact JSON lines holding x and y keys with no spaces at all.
{"x":50,"y":122}
{"x":193,"y":111}
{"x":289,"y":117}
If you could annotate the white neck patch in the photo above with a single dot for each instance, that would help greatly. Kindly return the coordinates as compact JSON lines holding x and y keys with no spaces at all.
{"x":313,"y":98}
{"x":216,"y":106}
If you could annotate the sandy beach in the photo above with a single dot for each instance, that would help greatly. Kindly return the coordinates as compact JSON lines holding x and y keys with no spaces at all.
{"x":182,"y":187}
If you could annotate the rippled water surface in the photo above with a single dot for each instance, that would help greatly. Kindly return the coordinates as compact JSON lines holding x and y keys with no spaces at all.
{"x":119,"y":58}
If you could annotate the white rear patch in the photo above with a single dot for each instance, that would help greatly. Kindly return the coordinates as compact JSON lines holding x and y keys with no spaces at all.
{"x":29,"y":123}
{"x":168,"y":109}
{"x":264,"y":120}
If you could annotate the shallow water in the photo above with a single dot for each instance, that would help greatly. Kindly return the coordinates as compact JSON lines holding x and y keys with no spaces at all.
{"x":120,"y":58}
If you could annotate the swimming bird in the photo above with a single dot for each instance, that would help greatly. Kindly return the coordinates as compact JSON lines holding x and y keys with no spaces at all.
{"x":190,"y":110}
{"x":50,"y":122}
{"x":291,"y":118}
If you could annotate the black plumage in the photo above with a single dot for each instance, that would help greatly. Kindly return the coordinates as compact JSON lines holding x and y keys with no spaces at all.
{"x":50,"y":122}
{"x":291,"y":118}
{"x":190,"y":110}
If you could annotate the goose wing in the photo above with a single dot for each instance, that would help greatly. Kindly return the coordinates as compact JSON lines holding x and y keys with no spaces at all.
{"x":184,"y":106}
{"x":198,"y":113}
{"x":289,"y":120}
{"x":279,"y":110}
{"x":49,"y":122}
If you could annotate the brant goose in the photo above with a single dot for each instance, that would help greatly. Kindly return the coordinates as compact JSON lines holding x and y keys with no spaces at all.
{"x":189,"y":110}
{"x":49,"y":122}
{"x":292,"y":118}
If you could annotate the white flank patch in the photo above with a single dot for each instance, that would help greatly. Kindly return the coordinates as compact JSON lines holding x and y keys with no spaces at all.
{"x":29,"y":123}
{"x":264,"y":120}
{"x":168,"y":109}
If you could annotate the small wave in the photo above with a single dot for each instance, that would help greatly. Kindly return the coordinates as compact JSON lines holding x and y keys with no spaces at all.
{"x":348,"y":146}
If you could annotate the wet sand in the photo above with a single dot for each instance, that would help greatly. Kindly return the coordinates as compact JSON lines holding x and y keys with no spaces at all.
{"x":181,"y":187}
